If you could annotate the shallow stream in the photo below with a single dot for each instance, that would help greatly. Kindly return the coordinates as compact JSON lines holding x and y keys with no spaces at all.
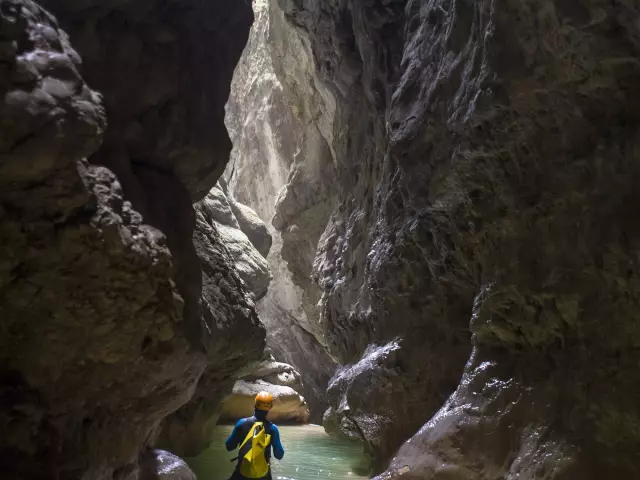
{"x":309,"y":454}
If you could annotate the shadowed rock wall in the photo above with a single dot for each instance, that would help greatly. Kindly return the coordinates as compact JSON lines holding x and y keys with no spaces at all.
{"x":112,"y":303}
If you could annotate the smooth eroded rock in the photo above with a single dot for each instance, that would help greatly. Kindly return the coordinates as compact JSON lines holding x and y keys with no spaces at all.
{"x":277,"y":373}
{"x":253,"y":227}
{"x":288,"y":405}
{"x":215,"y":212}
{"x":162,"y":465}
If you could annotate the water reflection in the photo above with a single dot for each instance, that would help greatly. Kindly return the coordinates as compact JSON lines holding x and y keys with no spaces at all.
{"x":310,"y":454}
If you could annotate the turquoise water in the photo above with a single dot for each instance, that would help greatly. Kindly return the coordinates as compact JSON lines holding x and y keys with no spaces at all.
{"x":309,"y":454}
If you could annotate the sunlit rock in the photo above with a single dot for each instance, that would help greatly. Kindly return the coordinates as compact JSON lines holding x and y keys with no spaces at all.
{"x":288,"y":405}
{"x":281,"y":168}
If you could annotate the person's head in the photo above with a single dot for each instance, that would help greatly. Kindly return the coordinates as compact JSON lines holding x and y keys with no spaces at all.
{"x":263,"y":403}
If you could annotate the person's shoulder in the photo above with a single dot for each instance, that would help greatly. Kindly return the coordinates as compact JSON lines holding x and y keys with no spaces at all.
{"x":274,"y":428}
{"x":242,"y":421}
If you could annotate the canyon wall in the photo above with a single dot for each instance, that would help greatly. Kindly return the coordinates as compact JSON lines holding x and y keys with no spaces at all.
{"x":188,"y":431}
{"x":281,"y":167}
{"x":480,"y":275}
{"x":114,"y":298}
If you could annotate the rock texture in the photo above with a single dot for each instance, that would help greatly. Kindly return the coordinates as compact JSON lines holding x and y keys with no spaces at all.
{"x":277,"y":373}
{"x":162,"y":465}
{"x":253,"y":227}
{"x":288,"y":405}
{"x":111,"y":305}
{"x":305,"y":202}
{"x":231,"y":220}
{"x":486,"y":156}
{"x":275,"y":138}
{"x":379,"y":286}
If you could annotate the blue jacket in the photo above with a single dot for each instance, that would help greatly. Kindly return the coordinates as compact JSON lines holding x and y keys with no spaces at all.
{"x":240,"y":431}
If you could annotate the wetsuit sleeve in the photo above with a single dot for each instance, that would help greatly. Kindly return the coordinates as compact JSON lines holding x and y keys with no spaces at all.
{"x":234,"y":439}
{"x":278,"y":451}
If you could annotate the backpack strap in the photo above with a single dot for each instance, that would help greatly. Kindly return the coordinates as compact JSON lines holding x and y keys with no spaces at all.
{"x":249,"y":423}
{"x":246,"y":443}
{"x":250,"y":433}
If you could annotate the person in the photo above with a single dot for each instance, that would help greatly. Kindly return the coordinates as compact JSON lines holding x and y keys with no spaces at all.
{"x":255,"y":436}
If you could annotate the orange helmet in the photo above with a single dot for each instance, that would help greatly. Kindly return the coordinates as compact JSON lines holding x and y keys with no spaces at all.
{"x":264,"y":401}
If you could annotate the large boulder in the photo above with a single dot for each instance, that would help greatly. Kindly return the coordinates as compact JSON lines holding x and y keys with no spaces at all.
{"x":288,"y":405}
{"x":253,"y":227}
{"x":217,"y":210}
{"x":162,"y":465}
{"x":276,"y":373}
{"x":371,"y":385}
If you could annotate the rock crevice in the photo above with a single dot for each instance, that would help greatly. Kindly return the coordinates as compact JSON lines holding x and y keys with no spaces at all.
{"x":281,"y":166}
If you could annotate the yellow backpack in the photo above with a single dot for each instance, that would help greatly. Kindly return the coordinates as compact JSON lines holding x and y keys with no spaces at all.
{"x":253,"y":461}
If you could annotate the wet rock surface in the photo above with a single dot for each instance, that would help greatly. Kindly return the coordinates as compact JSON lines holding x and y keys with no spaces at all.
{"x":273,"y":140}
{"x":112,"y":302}
{"x":162,"y":465}
{"x":363,"y":397}
{"x":485,"y":155}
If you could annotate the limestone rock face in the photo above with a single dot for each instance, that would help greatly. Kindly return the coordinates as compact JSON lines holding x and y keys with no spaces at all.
{"x":273,"y":136}
{"x":288,"y":405}
{"x":217,"y":211}
{"x":304,"y":204}
{"x":112,"y":303}
{"x":253,"y":227}
{"x":486,"y":159}
{"x":277,"y":373}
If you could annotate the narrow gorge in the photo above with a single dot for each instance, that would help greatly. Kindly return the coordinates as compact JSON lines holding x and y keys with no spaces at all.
{"x":411,"y":221}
